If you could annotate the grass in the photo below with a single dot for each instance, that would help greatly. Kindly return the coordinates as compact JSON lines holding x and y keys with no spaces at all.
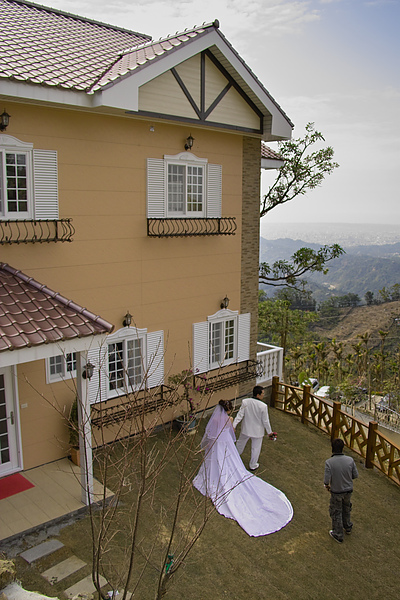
{"x":299,"y":562}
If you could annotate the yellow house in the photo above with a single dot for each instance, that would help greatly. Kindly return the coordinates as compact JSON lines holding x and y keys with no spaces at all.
{"x":129,"y":221}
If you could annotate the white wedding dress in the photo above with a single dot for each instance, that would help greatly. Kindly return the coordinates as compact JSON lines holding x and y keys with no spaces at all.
{"x":257,"y":506}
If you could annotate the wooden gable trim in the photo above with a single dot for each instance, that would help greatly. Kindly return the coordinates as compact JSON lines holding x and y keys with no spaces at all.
{"x":186,"y":92}
{"x":233,"y":83}
{"x":201,"y":111}
{"x":203,"y":122}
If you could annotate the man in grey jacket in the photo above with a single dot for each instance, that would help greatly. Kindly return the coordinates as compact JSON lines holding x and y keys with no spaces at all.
{"x":340,"y":470}
{"x":254,"y":413}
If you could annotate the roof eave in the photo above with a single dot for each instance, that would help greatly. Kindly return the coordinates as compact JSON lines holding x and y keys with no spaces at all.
{"x":116,"y":93}
{"x":271,"y":163}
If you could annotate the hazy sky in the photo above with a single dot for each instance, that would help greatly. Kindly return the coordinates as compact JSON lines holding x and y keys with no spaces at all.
{"x":333,"y":62}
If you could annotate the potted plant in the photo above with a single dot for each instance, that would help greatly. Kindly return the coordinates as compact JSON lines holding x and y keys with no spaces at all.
{"x":182,"y":384}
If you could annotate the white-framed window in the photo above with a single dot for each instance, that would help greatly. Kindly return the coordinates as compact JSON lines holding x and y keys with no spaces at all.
{"x":125,"y":364}
{"x":61,"y":367}
{"x":183,"y":186}
{"x":221,"y":340}
{"x":130,"y":359}
{"x":28,"y":181}
{"x":222,"y":335}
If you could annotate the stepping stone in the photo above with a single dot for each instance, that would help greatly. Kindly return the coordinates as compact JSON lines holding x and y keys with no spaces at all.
{"x":85,"y":586}
{"x":41,"y":550}
{"x":63,"y":569}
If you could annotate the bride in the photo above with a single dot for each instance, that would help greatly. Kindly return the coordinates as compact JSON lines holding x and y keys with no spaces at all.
{"x":257,"y":506}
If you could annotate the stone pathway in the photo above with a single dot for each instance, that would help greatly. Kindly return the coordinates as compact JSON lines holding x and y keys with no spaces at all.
{"x":62,"y":570}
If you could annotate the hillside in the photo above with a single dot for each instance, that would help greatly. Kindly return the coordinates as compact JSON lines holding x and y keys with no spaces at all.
{"x":357,"y":321}
{"x":363,"y":268}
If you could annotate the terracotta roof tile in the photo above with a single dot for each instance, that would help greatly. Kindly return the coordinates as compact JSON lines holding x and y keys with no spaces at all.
{"x":31,"y":314}
{"x":142,"y":53}
{"x":267,"y":152}
{"x":56,"y":44}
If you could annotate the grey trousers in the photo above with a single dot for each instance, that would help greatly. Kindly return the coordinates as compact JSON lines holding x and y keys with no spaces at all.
{"x":339,"y":510}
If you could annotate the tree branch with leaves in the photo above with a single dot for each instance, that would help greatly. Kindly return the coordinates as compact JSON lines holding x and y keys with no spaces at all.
{"x":302,"y":170}
{"x":287,"y":273}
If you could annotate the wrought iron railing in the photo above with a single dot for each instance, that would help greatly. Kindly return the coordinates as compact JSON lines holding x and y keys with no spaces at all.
{"x":40,"y":231}
{"x":132,"y":406}
{"x":363,"y":438}
{"x":191,"y":227}
{"x":139,"y":403}
{"x":225,"y":379}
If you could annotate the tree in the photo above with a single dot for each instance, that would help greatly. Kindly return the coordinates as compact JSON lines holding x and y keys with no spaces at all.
{"x":369,"y":298}
{"x":285,"y":273}
{"x":302,"y":170}
{"x":281,"y":325}
{"x":142,"y":537}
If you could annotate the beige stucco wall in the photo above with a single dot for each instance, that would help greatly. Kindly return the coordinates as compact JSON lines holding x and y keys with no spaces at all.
{"x":112,"y":266}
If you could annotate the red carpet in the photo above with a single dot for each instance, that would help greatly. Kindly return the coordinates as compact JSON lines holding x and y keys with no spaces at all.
{"x":13,"y":484}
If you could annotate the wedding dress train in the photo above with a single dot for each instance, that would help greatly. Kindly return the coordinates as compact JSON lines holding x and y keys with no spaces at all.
{"x":258,"y":507}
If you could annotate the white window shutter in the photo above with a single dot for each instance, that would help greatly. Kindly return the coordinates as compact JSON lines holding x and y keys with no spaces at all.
{"x":155,"y":358}
{"x":45,"y":184}
{"x":200,"y":347}
{"x":243,"y":337}
{"x":214,"y":191}
{"x":156,"y":201}
{"x":98,"y":385}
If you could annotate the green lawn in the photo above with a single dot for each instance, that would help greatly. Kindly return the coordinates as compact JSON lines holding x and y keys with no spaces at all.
{"x":299,"y":562}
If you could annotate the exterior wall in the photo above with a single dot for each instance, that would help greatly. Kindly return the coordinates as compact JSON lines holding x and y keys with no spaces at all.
{"x":43,"y":427}
{"x":250,"y":243}
{"x":112,"y":266}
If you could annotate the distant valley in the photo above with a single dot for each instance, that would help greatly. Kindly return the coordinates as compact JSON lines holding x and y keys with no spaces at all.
{"x":364,"y":267}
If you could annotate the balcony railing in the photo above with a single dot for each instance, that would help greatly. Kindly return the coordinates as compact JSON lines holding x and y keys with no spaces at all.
{"x":191,"y":227}
{"x":270,"y":359}
{"x":227,"y":378}
{"x":30,"y":231}
{"x":132,"y":406}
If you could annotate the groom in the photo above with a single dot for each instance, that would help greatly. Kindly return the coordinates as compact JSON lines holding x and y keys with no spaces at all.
{"x":255,"y":414}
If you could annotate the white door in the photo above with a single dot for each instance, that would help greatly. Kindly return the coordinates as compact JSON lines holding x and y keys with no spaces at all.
{"x":8,"y":426}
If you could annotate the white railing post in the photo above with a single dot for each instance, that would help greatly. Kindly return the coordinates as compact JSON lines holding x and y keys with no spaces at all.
{"x":271,"y":359}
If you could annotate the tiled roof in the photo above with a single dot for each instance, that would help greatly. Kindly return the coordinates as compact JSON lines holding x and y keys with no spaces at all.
{"x":31,"y":314}
{"x":267,"y":152}
{"x":49,"y":47}
{"x":143,"y":53}
{"x":46,"y":46}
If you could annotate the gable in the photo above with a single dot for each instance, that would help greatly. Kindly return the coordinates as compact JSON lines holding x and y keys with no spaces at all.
{"x":200,"y":89}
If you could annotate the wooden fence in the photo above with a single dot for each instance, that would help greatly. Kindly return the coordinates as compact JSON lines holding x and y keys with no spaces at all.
{"x":364,"y":439}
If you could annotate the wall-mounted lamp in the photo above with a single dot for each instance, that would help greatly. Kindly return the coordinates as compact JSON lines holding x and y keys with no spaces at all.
{"x":189,"y":142}
{"x":88,"y":370}
{"x":127,"y":319}
{"x":4,"y":120}
{"x":225,"y":302}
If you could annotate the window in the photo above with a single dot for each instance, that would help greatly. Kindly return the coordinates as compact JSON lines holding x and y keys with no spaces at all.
{"x":125,"y":368}
{"x":28,"y":181}
{"x":185,"y":190}
{"x":221,"y":340}
{"x":183,"y":186}
{"x":61,"y":367}
{"x":130,"y":360}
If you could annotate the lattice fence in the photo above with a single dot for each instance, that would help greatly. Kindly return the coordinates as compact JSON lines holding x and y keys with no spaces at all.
{"x":364,"y":439}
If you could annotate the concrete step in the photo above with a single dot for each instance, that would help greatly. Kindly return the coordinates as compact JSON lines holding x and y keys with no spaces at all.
{"x":63,"y":569}
{"x":43,"y":549}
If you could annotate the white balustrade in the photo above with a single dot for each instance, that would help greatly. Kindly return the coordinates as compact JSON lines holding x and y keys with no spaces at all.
{"x":271,"y":361}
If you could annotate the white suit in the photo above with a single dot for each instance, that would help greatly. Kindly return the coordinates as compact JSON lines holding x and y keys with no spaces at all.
{"x":255,"y":423}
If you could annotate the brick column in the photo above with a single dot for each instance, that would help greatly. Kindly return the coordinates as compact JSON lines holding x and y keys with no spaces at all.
{"x":251,"y":166}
